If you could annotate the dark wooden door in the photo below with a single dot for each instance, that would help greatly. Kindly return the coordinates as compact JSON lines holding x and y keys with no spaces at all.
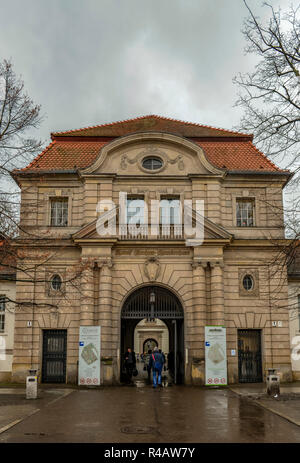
{"x":54,"y":356}
{"x":249,"y":351}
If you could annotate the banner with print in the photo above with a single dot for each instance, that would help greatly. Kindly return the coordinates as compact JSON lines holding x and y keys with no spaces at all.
{"x":215,"y":356}
{"x":89,"y":356}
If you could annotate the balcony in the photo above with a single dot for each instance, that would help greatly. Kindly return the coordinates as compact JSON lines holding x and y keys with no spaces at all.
{"x":147,"y":232}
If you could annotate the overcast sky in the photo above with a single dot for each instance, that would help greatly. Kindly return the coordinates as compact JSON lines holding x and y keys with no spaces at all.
{"x":89,"y":62}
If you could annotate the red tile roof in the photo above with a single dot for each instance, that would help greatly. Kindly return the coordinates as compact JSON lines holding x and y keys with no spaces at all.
{"x":150,"y":123}
{"x":232,"y":155}
{"x":228,"y":150}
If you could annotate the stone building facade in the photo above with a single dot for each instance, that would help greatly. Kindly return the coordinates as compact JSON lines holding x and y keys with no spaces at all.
{"x":79,"y":277}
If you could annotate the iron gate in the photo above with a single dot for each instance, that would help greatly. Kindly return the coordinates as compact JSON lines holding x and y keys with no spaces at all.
{"x":250,"y":362}
{"x":54,"y":356}
{"x":166,"y":305}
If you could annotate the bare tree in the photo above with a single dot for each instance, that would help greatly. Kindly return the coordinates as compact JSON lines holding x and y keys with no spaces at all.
{"x":270,"y":98}
{"x":270,"y":95}
{"x":19,"y":115}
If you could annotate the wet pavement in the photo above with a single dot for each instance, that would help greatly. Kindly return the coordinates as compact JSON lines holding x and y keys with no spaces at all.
{"x":131,"y":414}
{"x":14,"y":406}
{"x":286,"y":404}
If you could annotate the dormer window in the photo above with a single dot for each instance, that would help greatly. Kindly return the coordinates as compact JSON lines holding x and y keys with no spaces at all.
{"x":59,"y":212}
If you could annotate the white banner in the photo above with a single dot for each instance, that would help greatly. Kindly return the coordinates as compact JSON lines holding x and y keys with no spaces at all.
{"x":215,"y":356}
{"x":89,"y":356}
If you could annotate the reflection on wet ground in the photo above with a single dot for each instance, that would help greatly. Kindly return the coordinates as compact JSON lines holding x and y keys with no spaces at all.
{"x":142,"y":414}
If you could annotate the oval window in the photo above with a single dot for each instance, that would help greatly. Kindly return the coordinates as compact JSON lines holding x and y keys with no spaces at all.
{"x":152,"y":163}
{"x":56,"y":282}
{"x":248,"y":282}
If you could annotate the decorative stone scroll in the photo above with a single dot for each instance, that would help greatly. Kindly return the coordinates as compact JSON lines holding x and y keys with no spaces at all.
{"x":152,"y":151}
{"x":104,"y":263}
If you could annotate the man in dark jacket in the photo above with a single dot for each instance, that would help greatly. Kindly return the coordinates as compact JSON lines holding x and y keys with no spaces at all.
{"x":148,"y":365}
{"x":130,"y":363}
{"x":156,"y":362}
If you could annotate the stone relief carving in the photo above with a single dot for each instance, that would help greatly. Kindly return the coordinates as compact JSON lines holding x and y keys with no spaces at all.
{"x":152,"y":268}
{"x":152,"y":151}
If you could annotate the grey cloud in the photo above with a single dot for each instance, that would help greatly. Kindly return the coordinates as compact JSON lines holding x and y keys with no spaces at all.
{"x":90,"y":62}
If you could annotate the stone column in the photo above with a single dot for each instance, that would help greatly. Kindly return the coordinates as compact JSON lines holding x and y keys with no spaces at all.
{"x":87,"y":306}
{"x":217,"y":294}
{"x":199,"y":321}
{"x":105,"y":306}
{"x":199,"y":300}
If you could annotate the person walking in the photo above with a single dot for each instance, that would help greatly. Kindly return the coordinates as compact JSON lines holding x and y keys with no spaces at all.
{"x":156,"y":363}
{"x":148,"y":356}
{"x":130,"y":364}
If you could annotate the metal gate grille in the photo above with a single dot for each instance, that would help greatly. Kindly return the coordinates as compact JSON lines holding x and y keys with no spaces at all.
{"x":54,"y":356}
{"x":166,"y":304}
{"x":250,"y":363}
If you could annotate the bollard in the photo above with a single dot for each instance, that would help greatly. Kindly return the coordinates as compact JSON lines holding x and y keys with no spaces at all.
{"x":31,"y":385}
{"x":273,"y":383}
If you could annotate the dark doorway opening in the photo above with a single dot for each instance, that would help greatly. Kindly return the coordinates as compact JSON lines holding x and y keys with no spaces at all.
{"x":250,"y":358}
{"x":152,"y":302}
{"x":54,"y":356}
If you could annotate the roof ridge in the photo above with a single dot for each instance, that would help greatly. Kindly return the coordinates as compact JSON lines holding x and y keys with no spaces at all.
{"x":153,"y":116}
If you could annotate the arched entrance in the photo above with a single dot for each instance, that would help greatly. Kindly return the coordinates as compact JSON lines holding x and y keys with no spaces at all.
{"x":150,"y":303}
{"x":149,"y":344}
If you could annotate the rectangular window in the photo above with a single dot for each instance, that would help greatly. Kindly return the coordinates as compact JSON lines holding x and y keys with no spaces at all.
{"x":135,"y":208}
{"x":169,"y":212}
{"x":245,"y":212}
{"x":59,"y":212}
{"x":2,"y":314}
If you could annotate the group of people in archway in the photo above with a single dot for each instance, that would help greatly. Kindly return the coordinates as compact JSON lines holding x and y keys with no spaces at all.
{"x":154,"y":361}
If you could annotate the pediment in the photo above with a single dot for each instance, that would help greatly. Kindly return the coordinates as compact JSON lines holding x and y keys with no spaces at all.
{"x":125,"y":156}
